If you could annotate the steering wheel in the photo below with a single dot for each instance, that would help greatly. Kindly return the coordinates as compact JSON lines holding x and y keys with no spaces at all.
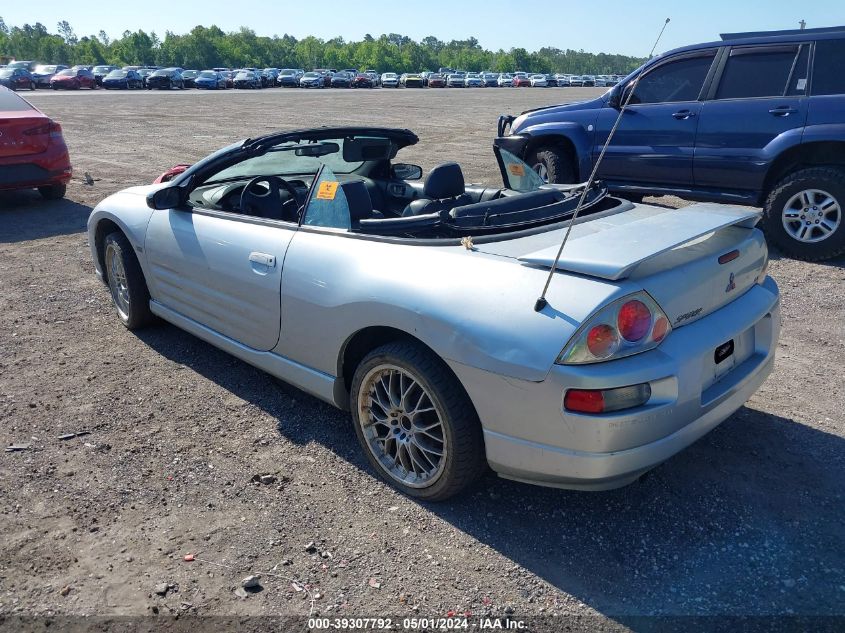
{"x":265,"y":204}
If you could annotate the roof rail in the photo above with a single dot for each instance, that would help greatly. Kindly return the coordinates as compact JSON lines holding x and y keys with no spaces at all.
{"x":825,"y":29}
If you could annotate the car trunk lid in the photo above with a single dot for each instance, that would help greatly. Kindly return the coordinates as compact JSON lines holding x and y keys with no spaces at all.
{"x":692,"y":260}
{"x":24,"y":132}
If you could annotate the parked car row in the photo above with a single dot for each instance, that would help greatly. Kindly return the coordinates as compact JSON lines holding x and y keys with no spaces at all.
{"x":30,"y":76}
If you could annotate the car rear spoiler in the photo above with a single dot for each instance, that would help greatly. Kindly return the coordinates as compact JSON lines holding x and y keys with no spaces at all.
{"x":613,"y":252}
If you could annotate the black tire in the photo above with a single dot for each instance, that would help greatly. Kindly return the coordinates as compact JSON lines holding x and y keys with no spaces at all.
{"x":827,"y":179}
{"x":464,"y":456}
{"x":32,"y":85}
{"x":554,"y":161}
{"x":138,"y":314}
{"x":53,"y":192}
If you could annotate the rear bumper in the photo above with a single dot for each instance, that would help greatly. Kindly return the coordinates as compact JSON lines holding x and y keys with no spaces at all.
{"x":529,"y":437}
{"x":27,"y":172}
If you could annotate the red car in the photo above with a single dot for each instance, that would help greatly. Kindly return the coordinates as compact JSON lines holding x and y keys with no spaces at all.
{"x":362,"y":81}
{"x":521,"y":81}
{"x":33,"y":154}
{"x":74,"y":79}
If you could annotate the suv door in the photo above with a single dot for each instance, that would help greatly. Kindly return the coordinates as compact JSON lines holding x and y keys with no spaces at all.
{"x":655,"y":140}
{"x":755,"y":109}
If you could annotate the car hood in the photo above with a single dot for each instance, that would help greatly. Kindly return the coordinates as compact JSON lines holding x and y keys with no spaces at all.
{"x":530,"y":117}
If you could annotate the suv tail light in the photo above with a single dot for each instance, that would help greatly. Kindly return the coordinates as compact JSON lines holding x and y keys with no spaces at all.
{"x":628,"y":326}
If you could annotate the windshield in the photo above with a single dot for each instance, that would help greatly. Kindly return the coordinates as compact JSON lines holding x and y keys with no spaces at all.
{"x":189,"y":74}
{"x":45,"y":69}
{"x":6,"y":72}
{"x":341,"y":155}
{"x":102,"y":69}
{"x":287,"y":72}
{"x":312,"y":75}
{"x":118,"y":74}
{"x":207,"y":74}
{"x":68,"y":73}
{"x":161,"y":73}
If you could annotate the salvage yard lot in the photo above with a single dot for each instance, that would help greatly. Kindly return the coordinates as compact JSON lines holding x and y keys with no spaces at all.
{"x":747,"y":521}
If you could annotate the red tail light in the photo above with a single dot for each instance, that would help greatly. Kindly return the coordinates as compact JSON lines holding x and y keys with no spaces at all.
{"x":602,"y":340}
{"x":606,"y":400}
{"x":634,"y":320}
{"x":628,"y":326}
{"x":51,"y":127}
{"x":584,"y":400}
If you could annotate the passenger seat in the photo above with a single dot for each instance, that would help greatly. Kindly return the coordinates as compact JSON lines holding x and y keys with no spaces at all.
{"x":360,"y":203}
{"x":443,"y":190}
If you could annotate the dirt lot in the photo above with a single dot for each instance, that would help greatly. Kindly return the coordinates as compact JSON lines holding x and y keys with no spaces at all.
{"x":747,"y":521}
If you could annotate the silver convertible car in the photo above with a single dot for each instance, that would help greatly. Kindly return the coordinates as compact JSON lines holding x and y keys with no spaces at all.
{"x":318,"y":258}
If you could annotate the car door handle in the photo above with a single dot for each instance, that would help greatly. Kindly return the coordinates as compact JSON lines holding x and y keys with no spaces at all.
{"x":263,"y":258}
{"x":783,"y":111}
{"x":683,"y":114}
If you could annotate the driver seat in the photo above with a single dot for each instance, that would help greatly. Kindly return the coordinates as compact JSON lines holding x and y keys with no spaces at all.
{"x":443,"y":189}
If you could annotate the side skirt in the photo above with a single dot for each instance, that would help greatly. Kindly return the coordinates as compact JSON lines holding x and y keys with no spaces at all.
{"x":318,"y":384}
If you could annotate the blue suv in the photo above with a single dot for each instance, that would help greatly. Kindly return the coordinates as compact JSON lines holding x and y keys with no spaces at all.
{"x":756,"y":119}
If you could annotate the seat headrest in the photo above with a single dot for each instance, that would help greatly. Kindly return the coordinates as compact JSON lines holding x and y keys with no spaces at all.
{"x":444,"y":181}
{"x":360,"y":203}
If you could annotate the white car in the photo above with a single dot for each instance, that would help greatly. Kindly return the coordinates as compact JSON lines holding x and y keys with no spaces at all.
{"x":390,"y":80}
{"x":538,"y":81}
{"x":505,"y":79}
{"x":563,"y":80}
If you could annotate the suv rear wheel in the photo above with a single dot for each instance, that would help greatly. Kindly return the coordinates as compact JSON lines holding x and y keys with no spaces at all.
{"x":803,"y":215}
{"x":552,"y":164}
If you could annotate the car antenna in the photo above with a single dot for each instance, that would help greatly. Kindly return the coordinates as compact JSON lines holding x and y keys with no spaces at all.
{"x":541,"y":301}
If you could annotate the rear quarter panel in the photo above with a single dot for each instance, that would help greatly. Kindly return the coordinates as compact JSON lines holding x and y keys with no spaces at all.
{"x":469,"y":307}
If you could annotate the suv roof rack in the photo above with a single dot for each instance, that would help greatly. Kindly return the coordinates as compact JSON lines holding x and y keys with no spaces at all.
{"x":825,"y":29}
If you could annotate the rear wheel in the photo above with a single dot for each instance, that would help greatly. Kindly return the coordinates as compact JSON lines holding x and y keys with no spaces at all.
{"x":32,"y":85}
{"x":552,"y":165}
{"x":53,"y":192}
{"x":803,"y":214}
{"x":128,"y":288}
{"x":415,"y":422}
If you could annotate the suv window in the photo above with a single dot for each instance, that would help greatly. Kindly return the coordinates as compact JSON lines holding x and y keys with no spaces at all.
{"x":757,"y":72}
{"x":828,"y":76}
{"x":674,"y":81}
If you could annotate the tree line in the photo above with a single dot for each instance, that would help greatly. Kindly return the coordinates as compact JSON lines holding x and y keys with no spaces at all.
{"x":211,"y":47}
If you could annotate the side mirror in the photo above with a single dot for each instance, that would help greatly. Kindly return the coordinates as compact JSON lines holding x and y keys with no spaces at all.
{"x":165,"y":198}
{"x":614,"y":99}
{"x":405,"y":171}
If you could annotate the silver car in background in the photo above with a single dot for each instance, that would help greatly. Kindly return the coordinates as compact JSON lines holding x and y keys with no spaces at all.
{"x":390,"y":80}
{"x":318,"y":258}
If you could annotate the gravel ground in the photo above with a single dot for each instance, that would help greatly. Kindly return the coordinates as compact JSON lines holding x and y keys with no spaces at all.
{"x":748,"y":521}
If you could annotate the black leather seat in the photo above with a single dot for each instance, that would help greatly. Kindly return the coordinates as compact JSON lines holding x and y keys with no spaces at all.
{"x":443,"y":190}
{"x":360,"y":203}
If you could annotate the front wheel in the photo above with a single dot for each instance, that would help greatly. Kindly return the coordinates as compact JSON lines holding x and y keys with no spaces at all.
{"x":128,"y":288}
{"x":32,"y":85}
{"x":803,"y":214}
{"x":416,"y":423}
{"x":552,"y":165}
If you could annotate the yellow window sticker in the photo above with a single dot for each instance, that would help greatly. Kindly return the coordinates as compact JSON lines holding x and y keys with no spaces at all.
{"x":327,"y":190}
{"x":516,"y":169}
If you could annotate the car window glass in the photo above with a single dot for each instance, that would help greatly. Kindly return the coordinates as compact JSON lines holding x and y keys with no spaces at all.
{"x":10,"y":102}
{"x":798,"y":79}
{"x":327,"y":204}
{"x":518,"y":175}
{"x":829,"y":68}
{"x":680,"y":80}
{"x":756,"y":74}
